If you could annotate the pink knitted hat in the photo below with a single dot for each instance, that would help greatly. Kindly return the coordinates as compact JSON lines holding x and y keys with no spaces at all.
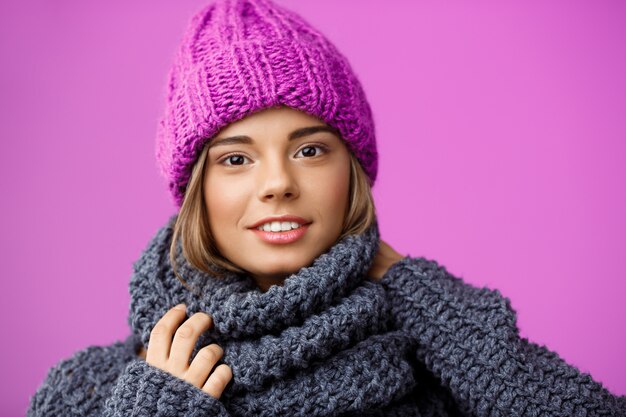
{"x":241,"y":56}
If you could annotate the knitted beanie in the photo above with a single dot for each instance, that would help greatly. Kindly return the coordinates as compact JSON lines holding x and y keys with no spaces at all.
{"x":241,"y":56}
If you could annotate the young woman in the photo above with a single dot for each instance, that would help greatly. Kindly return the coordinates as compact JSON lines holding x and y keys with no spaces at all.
{"x":270,"y":292}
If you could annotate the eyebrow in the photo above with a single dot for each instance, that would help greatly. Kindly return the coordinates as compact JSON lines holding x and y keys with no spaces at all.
{"x":296,"y":134}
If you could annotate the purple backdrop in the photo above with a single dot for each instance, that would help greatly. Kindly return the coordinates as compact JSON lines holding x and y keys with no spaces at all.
{"x":501,"y":132}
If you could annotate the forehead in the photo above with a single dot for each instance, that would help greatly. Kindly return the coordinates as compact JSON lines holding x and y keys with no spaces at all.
{"x":277,"y":123}
{"x":273,"y":118}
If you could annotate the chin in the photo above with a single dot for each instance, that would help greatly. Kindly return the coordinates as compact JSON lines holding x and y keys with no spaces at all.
{"x":279,"y":265}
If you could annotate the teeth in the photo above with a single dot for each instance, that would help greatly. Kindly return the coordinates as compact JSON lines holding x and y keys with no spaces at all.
{"x":278,"y":226}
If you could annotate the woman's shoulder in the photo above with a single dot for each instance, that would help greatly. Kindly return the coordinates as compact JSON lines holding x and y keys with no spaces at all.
{"x":118,"y":352}
{"x":88,"y":375}
{"x":423,"y":289}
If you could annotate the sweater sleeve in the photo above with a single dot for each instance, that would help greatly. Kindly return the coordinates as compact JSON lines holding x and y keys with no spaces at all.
{"x":468,"y":338}
{"x":114,"y":381}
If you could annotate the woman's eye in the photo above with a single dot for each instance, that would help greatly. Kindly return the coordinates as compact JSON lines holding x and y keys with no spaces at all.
{"x":307,"y":151}
{"x":310,"y":150}
{"x":234,"y":159}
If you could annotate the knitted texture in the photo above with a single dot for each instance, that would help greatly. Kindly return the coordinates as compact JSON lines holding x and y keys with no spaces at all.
{"x":241,"y":56}
{"x":329,"y":342}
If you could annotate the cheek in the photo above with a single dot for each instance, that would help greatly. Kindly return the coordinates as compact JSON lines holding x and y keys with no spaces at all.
{"x":224,"y":202}
{"x":331,"y":187}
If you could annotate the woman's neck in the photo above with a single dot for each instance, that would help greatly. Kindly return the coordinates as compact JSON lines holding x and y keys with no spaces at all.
{"x":265,"y":282}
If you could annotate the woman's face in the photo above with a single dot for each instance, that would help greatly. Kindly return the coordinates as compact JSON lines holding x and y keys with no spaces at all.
{"x":269,"y":166}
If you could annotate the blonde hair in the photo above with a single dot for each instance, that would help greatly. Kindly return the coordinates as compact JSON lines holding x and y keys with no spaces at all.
{"x":198,"y":244}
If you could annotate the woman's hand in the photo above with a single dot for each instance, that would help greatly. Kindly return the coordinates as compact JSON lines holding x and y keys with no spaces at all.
{"x":173,"y":357}
{"x":384,"y":258}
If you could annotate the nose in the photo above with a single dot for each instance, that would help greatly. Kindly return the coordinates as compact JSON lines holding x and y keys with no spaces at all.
{"x":277,"y":181}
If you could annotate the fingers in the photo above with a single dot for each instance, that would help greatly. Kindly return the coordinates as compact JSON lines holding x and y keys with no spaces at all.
{"x":203,"y":364}
{"x":161,"y":336}
{"x":218,"y":380}
{"x":185,"y":340}
{"x":172,"y":353}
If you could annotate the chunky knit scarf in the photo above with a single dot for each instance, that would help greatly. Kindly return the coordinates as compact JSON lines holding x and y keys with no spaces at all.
{"x":329,"y":342}
{"x":322,"y":339}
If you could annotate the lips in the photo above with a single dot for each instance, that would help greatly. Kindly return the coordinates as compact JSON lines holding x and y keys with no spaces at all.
{"x":283,"y":218}
{"x":282,"y":238}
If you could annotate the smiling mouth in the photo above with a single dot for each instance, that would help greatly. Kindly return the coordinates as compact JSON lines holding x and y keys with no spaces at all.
{"x":278,"y":227}
{"x":282,"y":236}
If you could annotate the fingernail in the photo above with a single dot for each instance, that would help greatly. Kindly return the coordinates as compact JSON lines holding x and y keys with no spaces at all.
{"x":180,"y":307}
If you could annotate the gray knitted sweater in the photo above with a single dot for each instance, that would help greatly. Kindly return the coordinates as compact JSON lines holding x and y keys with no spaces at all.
{"x":330,"y":341}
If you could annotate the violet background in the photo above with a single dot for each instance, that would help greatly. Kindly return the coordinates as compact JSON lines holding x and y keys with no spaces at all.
{"x":502,"y":138}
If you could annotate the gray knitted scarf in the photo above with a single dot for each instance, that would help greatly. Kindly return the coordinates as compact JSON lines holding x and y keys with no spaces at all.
{"x":326,"y":315}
